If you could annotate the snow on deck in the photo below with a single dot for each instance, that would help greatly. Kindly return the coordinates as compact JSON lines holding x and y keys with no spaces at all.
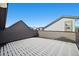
{"x":39,"y":47}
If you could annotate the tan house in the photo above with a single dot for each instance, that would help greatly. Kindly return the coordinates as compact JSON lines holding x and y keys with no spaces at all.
{"x":64,"y":23}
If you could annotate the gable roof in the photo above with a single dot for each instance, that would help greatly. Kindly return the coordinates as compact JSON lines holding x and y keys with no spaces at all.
{"x":20,"y":23}
{"x":70,"y":17}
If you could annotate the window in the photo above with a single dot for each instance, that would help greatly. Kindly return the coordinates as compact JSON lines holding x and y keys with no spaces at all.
{"x":68,"y":25}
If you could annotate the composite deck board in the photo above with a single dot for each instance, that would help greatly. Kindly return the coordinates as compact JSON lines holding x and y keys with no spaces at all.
{"x":15,"y":49}
{"x":5,"y":51}
{"x":2,"y":53}
{"x":20,"y":52}
{"x":8,"y":50}
{"x":51,"y":50}
{"x":39,"y":47}
{"x":12,"y":50}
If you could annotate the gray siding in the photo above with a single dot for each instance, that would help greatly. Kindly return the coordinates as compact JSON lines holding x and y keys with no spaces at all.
{"x":3,"y":14}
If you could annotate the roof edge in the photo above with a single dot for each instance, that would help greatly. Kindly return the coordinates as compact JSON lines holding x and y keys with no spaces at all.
{"x":17,"y":23}
{"x":71,"y":17}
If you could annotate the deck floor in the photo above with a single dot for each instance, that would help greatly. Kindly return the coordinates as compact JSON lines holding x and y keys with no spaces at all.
{"x":39,"y":47}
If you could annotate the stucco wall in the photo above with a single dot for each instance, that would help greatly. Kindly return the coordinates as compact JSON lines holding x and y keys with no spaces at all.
{"x":60,"y":25}
{"x":64,"y":36}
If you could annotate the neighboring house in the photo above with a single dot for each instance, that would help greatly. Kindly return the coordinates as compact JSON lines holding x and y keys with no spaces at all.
{"x":40,"y":28}
{"x":65,"y":23}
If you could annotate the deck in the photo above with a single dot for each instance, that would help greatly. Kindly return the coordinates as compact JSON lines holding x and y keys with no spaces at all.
{"x":39,"y":47}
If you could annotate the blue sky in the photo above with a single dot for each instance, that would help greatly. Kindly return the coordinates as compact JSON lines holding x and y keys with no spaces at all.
{"x":39,"y":14}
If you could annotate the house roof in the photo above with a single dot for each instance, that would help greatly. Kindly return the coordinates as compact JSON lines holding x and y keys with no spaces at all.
{"x":71,"y":17}
{"x":20,"y":23}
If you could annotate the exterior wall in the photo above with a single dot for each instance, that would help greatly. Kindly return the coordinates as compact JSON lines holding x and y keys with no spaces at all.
{"x":64,"y":36}
{"x":60,"y":25}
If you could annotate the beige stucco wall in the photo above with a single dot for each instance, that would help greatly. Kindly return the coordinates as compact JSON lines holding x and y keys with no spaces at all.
{"x":60,"y":25}
{"x":65,"y":36}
